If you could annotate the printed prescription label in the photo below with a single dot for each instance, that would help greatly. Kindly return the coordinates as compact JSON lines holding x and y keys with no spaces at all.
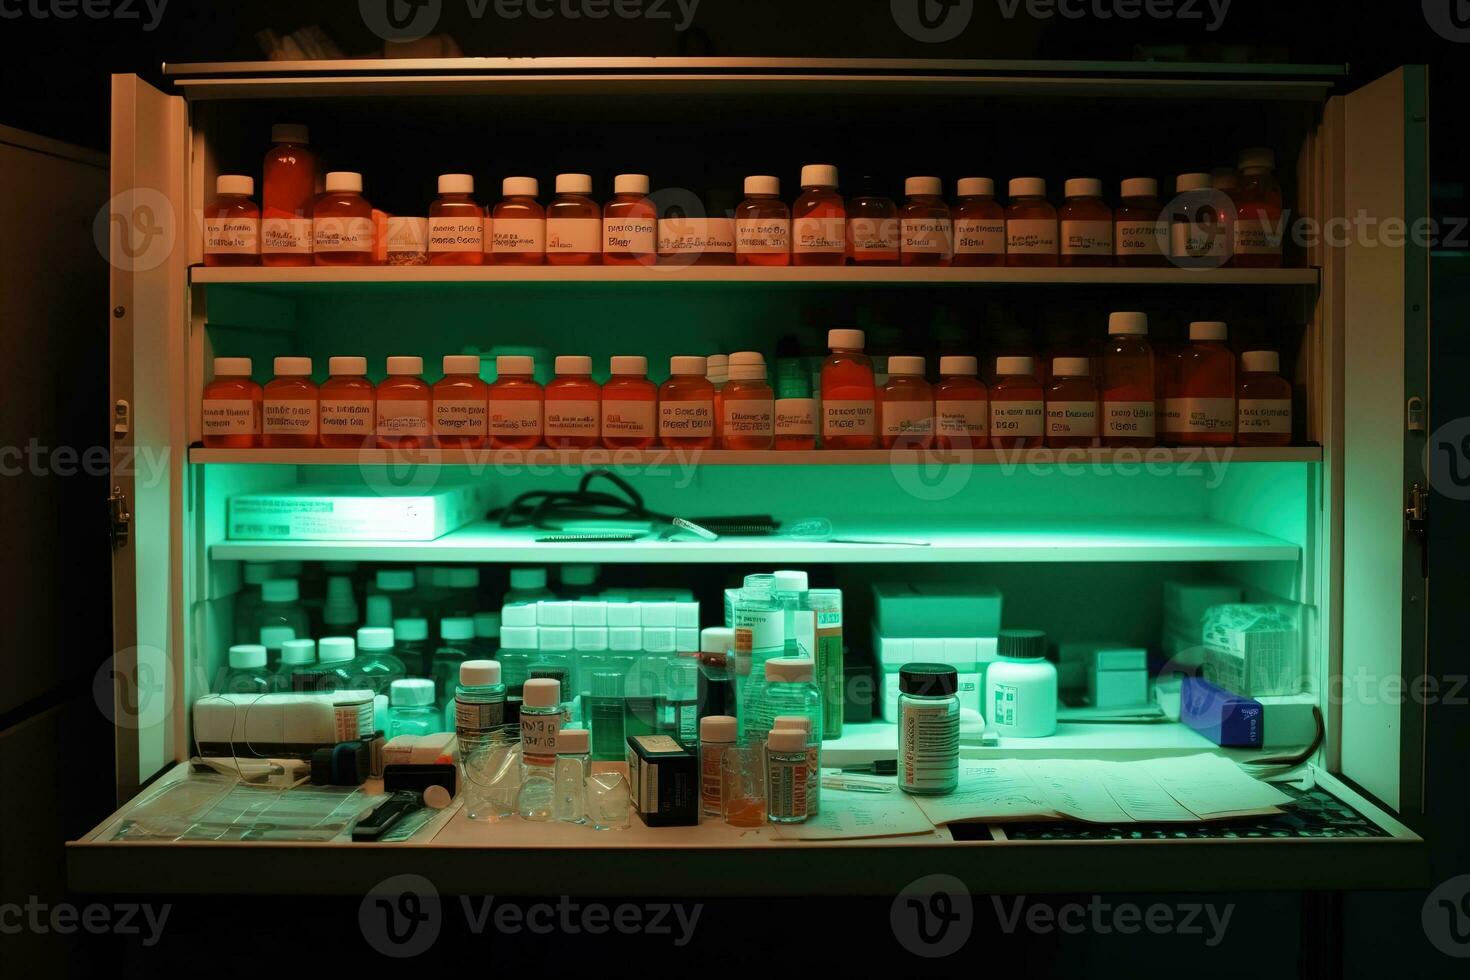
{"x":347,"y":416}
{"x":474,"y":719}
{"x":1016,"y":419}
{"x":796,"y":417}
{"x":572,"y":235}
{"x":754,"y":417}
{"x":1258,"y":236}
{"x":1031,"y":236}
{"x":1139,"y":238}
{"x":819,"y":235}
{"x":518,"y":235}
{"x":1199,"y":240}
{"x":1071,"y":419}
{"x":290,"y":418}
{"x":1265,"y":416}
{"x":231,"y":236}
{"x":1003,"y":706}
{"x":929,"y":745}
{"x":460,"y":417}
{"x":514,"y":418}
{"x":403,"y":418}
{"x":874,"y":234}
{"x":962,"y":419}
{"x":638,"y":235}
{"x":847,"y":418}
{"x":928,"y":235}
{"x":689,"y":419}
{"x":230,"y":417}
{"x":290,"y":235}
{"x":908,"y":419}
{"x":573,"y":417}
{"x":343,"y":234}
{"x":763,"y":236}
{"x":696,"y":236}
{"x":465,"y":234}
{"x":980,"y":236}
{"x":1133,"y":420}
{"x":1087,"y":238}
{"x":1196,"y":415}
{"x":627,"y":419}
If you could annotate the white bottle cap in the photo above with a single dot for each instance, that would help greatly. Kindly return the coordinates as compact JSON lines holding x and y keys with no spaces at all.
{"x":375,"y":638}
{"x":1257,"y":158}
{"x":786,"y":740}
{"x":344,"y":181}
{"x":577,"y":364}
{"x":1027,"y":187}
{"x":298,"y":653}
{"x":629,"y":184}
{"x":479,"y":673}
{"x":290,"y":367}
{"x":958,"y":364}
{"x":456,"y":184}
{"x":1139,"y":187}
{"x":520,"y":187}
{"x":438,"y":577}
{"x":234,"y":184}
{"x":1128,"y":324}
{"x":1082,"y":187}
{"x":462,"y":364}
{"x":578,"y":575}
{"x":788,"y":581}
{"x":717,"y":728}
{"x":272,"y":637}
{"x":792,"y":723}
{"x":259,"y":572}
{"x":763,"y":185}
{"x":790,"y":669}
{"x":1207,"y":330}
{"x":411,"y":629}
{"x":976,"y":187}
{"x":1014,"y":365}
{"x":1261,"y":361}
{"x":464,"y":578}
{"x":573,"y":741}
{"x":716,"y":364}
{"x":406,"y":365}
{"x":542,"y":692}
{"x":347,"y":365}
{"x":336,"y":649}
{"x":905,"y":365}
{"x":846,"y":339}
{"x":379,"y":611}
{"x":280,"y":590}
{"x":245,"y":656}
{"x":931,"y":186}
{"x":487,"y":625}
{"x":747,"y":366}
{"x":747,"y":357}
{"x":716,"y":639}
{"x":339,"y":589}
{"x":630,"y":364}
{"x":411,"y":692}
{"x":231,"y":367}
{"x":457,"y":628}
{"x":514,"y":364}
{"x":395,"y":579}
{"x":818,"y":175}
{"x":1192,"y":182}
{"x":688,"y":364}
{"x":289,"y":133}
{"x":1071,"y":367}
{"x":527,"y":578}
{"x":573,"y":183}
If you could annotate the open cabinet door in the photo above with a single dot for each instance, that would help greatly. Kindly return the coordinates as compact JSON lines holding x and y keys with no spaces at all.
{"x":148,"y":243}
{"x":1379,"y":285}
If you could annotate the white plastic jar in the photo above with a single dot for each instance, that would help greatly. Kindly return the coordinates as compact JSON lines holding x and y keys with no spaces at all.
{"x":1021,"y":687}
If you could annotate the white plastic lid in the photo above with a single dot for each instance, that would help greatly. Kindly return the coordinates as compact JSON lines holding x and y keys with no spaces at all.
{"x":379,"y":610}
{"x":789,"y":580}
{"x":280,"y":590}
{"x":1139,"y":187}
{"x":232,"y":367}
{"x":438,"y":576}
{"x":528,"y":578}
{"x":931,"y":186}
{"x":245,"y":656}
{"x":347,"y":365}
{"x":520,"y":187}
{"x":961,"y":364}
{"x":577,"y":364}
{"x":487,"y":624}
{"x":395,"y":579}
{"x":792,"y":723}
{"x":514,"y":364}
{"x":411,"y":692}
{"x":574,"y":183}
{"x":1257,"y":158}
{"x":976,"y":187}
{"x":258,"y":572}
{"x":290,"y":367}
{"x":747,"y":365}
{"x":456,"y":184}
{"x":406,"y":365}
{"x":542,"y":692}
{"x":461,"y":577}
{"x":407,"y":234}
{"x":578,"y":575}
{"x":1261,"y":361}
{"x":375,"y":638}
{"x":1207,"y":330}
{"x":1071,"y":367}
{"x":630,"y":364}
{"x":289,"y":133}
{"x":905,"y":364}
{"x":272,"y":637}
{"x":687,"y":364}
{"x":339,"y":589}
{"x":344,"y":181}
{"x":1191,"y":182}
{"x":717,"y":728}
{"x":846,"y":338}
{"x":234,"y":184}
{"x":336,"y":649}
{"x":786,"y":740}
{"x":298,"y":652}
{"x":457,"y":628}
{"x":716,"y":363}
{"x":763,"y":184}
{"x":573,"y":741}
{"x":1128,"y":324}
{"x":479,"y":673}
{"x":790,"y":669}
{"x":717,"y":639}
{"x":1027,"y":187}
{"x":462,"y":364}
{"x":1082,"y":187}
{"x":411,"y":629}
{"x":1014,"y":365}
{"x":629,"y":184}
{"x":818,"y":175}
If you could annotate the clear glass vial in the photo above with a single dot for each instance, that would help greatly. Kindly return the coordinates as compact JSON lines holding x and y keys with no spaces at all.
{"x":573,"y":766}
{"x":787,"y":776}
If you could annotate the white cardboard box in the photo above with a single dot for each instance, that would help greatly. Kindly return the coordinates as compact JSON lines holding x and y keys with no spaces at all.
{"x":351,"y":514}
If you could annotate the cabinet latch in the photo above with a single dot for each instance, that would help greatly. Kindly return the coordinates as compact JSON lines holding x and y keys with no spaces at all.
{"x":1414,"y":415}
{"x":120,"y":521}
{"x":1416,"y":520}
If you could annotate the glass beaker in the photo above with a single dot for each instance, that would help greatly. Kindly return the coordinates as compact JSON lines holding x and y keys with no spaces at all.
{"x":490,"y":764}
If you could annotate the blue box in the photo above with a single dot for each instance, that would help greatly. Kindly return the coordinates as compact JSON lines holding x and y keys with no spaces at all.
{"x":1228,"y":720}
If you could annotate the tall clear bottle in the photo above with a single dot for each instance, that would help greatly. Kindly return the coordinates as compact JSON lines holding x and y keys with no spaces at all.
{"x":759,"y":636}
{"x":376,"y":666}
{"x":541,"y":717}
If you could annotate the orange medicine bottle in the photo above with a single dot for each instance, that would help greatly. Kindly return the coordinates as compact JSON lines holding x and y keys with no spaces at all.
{"x":848,"y":393}
{"x":456,"y":223}
{"x":517,"y":226}
{"x":961,"y":405}
{"x":630,"y":223}
{"x":763,"y":224}
{"x":232,"y":406}
{"x":1258,"y":225}
{"x":796,"y":424}
{"x":926,"y":229}
{"x":979,"y":224}
{"x":1031,"y":224}
{"x":1071,"y":404}
{"x":1140,"y":238}
{"x":1199,"y":223}
{"x":515,"y":401}
{"x":573,"y":405}
{"x":405,"y":406}
{"x":1016,"y":407}
{"x":1199,"y":392}
{"x":573,"y":223}
{"x":288,"y":193}
{"x":748,"y":404}
{"x":289,"y":406}
{"x":347,"y":414}
{"x":1128,"y":394}
{"x":1086,"y":235}
{"x":818,"y":219}
{"x":1263,"y":401}
{"x":872,"y":225}
{"x":629,"y":405}
{"x":461,"y":412}
{"x":686,"y":405}
{"x":342,"y":223}
{"x":232,"y":223}
{"x":907,"y":413}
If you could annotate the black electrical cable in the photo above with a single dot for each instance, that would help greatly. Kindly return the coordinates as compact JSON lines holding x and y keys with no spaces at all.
{"x":556,"y":509}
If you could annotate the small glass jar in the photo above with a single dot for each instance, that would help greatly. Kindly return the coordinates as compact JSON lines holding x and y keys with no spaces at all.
{"x":573,"y":766}
{"x":411,"y":709}
{"x":928,"y":729}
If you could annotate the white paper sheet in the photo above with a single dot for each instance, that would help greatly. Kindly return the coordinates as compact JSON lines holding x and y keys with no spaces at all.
{"x":850,"y":816}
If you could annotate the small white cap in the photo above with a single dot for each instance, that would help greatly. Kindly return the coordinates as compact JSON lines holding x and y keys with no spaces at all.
{"x":1128,"y":324}
{"x":347,"y":365}
{"x":456,"y":184}
{"x":1027,"y":187}
{"x":280,"y":590}
{"x":1207,"y":330}
{"x":717,"y":363}
{"x":464,"y":578}
{"x":790,"y":669}
{"x":763,"y":185}
{"x":716,"y":639}
{"x":688,"y":364}
{"x":487,"y":624}
{"x":542,"y":692}
{"x":514,"y":364}
{"x":846,"y":338}
{"x":1139,"y":187}
{"x":790,"y":580}
{"x":1014,"y":365}
{"x":289,"y":133}
{"x":904,"y":364}
{"x":792,"y":723}
{"x":747,"y":365}
{"x":818,"y":175}
{"x":336,"y":649}
{"x":1071,"y":367}
{"x":437,"y":576}
{"x":630,"y":364}
{"x":1192,"y":182}
{"x":258,"y":572}
{"x":272,"y":637}
{"x":961,"y":364}
{"x":414,"y":628}
{"x":573,"y":364}
{"x":231,"y":367}
{"x":457,"y":628}
{"x":717,"y":728}
{"x":786,"y":740}
{"x":578,"y":575}
{"x":573,"y":741}
{"x":629,"y":184}
{"x":931,"y":186}
{"x":573,"y":183}
{"x":1257,"y":158}
{"x":245,"y":656}
{"x":375,"y":638}
{"x":411,"y":692}
{"x":528,"y":578}
{"x":405,"y":365}
{"x":292,"y":366}
{"x":976,"y":187}
{"x":344,"y":181}
{"x":298,"y":652}
{"x":234,"y":184}
{"x":479,"y":673}
{"x":1261,"y":361}
{"x":520,"y":187}
{"x":1082,"y":187}
{"x":395,"y":579}
{"x":462,"y":364}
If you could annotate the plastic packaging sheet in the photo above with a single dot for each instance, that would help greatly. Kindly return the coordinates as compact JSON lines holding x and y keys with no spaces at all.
{"x":220,"y":808}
